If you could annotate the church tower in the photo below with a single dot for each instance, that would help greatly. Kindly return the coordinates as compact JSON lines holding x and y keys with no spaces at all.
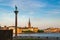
{"x":29,"y":24}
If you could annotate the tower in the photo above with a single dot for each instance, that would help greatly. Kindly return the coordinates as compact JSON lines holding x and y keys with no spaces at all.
{"x":29,"y":24}
{"x":16,"y":12}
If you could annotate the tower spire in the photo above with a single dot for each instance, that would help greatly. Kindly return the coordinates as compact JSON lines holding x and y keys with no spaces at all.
{"x":29,"y":24}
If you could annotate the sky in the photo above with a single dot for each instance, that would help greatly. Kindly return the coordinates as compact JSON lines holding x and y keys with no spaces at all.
{"x":42,"y":13}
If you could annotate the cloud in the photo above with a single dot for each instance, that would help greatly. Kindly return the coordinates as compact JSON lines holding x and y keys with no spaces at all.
{"x":53,"y":12}
{"x":31,"y":13}
{"x":27,"y":6}
{"x":1,"y":0}
{"x":24,"y":4}
{"x":42,"y":23}
{"x":7,"y":19}
{"x":37,"y":5}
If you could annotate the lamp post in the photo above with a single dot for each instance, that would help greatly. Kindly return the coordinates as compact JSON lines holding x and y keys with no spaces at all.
{"x":16,"y":12}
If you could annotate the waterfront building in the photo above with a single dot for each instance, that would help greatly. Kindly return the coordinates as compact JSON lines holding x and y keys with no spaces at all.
{"x":23,"y":29}
{"x":4,"y":28}
{"x":52,"y":30}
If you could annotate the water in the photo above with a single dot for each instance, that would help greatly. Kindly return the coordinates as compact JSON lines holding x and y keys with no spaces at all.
{"x":41,"y":34}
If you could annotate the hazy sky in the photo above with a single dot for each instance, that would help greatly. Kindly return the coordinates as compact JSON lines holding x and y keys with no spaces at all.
{"x":42,"y":13}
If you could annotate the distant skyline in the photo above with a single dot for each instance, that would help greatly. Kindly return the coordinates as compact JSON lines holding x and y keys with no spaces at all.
{"x":42,"y":13}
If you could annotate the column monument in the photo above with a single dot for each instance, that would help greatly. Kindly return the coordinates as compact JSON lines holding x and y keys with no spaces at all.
{"x":16,"y":12}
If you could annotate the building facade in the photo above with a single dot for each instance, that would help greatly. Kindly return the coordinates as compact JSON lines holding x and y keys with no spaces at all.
{"x":24,"y":29}
{"x":52,"y":30}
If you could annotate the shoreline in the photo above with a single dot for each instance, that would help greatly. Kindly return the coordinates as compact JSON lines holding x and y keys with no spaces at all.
{"x":42,"y":38}
{"x":33,"y":33}
{"x":38,"y":36}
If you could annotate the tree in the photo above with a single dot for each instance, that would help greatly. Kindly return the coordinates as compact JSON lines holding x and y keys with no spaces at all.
{"x":28,"y":31}
{"x":40,"y":31}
